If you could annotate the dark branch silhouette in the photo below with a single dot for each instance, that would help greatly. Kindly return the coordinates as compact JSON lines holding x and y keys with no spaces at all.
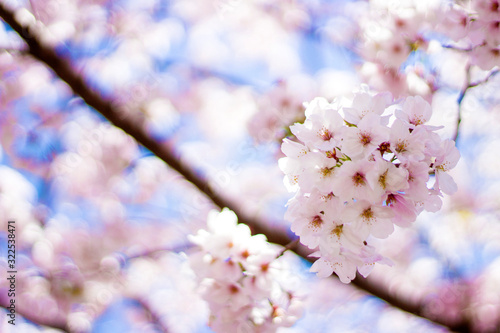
{"x":132,"y":124}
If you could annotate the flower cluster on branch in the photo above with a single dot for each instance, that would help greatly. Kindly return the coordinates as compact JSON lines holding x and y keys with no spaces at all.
{"x":241,"y":278}
{"x":357,"y":169}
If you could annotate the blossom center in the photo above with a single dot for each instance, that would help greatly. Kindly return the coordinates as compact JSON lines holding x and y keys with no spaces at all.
{"x":325,"y":134}
{"x":417,"y":120}
{"x":245,"y":254}
{"x":400,"y":23}
{"x":316,"y":222}
{"x":359,"y":179}
{"x":494,"y":6}
{"x":382,"y":179}
{"x":384,"y":147}
{"x":338,"y":230}
{"x":367,"y":214}
{"x":397,"y":48}
{"x":391,"y":200}
{"x":233,"y":289}
{"x":326,"y":172}
{"x":365,"y":138}
{"x":401,"y":146}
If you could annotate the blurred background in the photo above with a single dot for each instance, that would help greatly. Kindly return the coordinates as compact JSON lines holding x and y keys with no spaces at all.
{"x":101,"y":223}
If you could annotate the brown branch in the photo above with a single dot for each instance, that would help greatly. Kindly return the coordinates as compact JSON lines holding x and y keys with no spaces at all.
{"x":133,"y":125}
{"x":292,"y":246}
{"x":153,"y":316}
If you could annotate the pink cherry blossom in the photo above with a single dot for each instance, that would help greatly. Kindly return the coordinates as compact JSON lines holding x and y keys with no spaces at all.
{"x":370,"y":218}
{"x":364,"y":103}
{"x":352,"y":182}
{"x":362,"y":140}
{"x":325,"y":266}
{"x":405,"y":144}
{"x":387,"y":176}
{"x":486,"y":57}
{"x":416,"y":111}
{"x":446,"y":161}
{"x":308,"y":218}
{"x":338,"y":236}
{"x":322,"y":126}
{"x":418,"y":174}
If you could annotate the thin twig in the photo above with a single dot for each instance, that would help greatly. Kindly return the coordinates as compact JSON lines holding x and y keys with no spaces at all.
{"x":468,"y":85}
{"x":459,"y":101}
{"x":132,"y":124}
{"x":290,"y":246}
{"x":489,"y":76}
{"x":153,"y":252}
{"x":457,"y":48}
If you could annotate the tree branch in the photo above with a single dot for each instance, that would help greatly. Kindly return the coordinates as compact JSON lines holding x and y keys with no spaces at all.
{"x":464,"y":90}
{"x":153,"y":316}
{"x":133,"y":125}
{"x":153,"y":252}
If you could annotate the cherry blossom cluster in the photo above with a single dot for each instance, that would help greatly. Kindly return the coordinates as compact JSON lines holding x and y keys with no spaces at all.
{"x":241,"y":279}
{"x":357,"y":169}
{"x":392,"y":30}
{"x":475,"y":27}
{"x":388,"y":34}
